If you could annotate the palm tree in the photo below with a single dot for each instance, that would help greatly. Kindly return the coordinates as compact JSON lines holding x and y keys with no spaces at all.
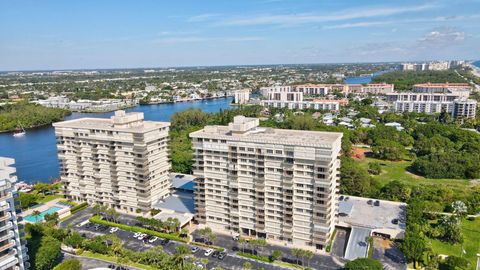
{"x":309,"y":255}
{"x":242,"y":241}
{"x":296,"y":253}
{"x":204,"y":261}
{"x":36,"y":214}
{"x":180,"y":254}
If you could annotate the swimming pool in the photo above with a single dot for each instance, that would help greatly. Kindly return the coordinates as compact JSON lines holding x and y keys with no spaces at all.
{"x":34,"y":219}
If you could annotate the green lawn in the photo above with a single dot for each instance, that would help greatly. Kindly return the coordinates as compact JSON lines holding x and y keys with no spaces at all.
{"x":471,"y":244}
{"x":48,"y":198}
{"x":114,"y":260}
{"x":397,"y":170}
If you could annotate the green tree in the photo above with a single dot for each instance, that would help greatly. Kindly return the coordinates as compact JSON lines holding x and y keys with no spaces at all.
{"x":180,"y":254}
{"x":27,"y":199}
{"x":454,"y":263}
{"x":47,"y":254}
{"x":69,"y":264}
{"x":389,"y":150}
{"x":36,"y":214}
{"x":247,"y":266}
{"x":74,"y":240}
{"x":276,"y":254}
{"x":413,"y":247}
{"x":53,"y":218}
{"x":363,"y":264}
{"x":374,"y":168}
{"x":204,"y":261}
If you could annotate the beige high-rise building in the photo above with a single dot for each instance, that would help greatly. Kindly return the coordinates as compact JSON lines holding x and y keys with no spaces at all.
{"x":120,"y":162}
{"x":272,"y":183}
{"x":13,"y":251}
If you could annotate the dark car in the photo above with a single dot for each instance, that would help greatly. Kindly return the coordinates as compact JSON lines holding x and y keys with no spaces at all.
{"x":235,"y":248}
{"x":222,"y":255}
{"x":215,"y":254}
{"x":199,"y":240}
{"x":164,"y":242}
{"x":208,"y":243}
{"x":376,"y":203}
{"x":369,"y":202}
{"x":395,"y":221}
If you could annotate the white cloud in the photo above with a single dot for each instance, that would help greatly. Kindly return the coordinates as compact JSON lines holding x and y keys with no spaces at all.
{"x":303,"y":18}
{"x":203,"y":17}
{"x":444,"y":36}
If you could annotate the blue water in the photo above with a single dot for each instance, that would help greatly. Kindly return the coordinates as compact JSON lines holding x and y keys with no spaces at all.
{"x":476,"y":63}
{"x":36,"y":153}
{"x":363,"y":79}
{"x":50,"y":210}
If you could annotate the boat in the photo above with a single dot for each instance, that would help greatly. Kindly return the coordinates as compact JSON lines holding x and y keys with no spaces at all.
{"x":19,"y":132}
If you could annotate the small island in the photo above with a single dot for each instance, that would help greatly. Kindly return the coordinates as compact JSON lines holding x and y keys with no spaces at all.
{"x":20,"y":115}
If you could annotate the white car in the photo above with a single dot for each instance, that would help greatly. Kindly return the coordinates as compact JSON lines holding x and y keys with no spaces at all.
{"x":113,"y":229}
{"x":153,"y":239}
{"x":136,"y":235}
{"x":208,"y":252}
{"x":236,"y":237}
{"x":141,"y":236}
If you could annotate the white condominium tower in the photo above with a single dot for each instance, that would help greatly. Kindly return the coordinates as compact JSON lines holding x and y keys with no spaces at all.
{"x":120,"y":162}
{"x":270,"y":183}
{"x":13,"y":252}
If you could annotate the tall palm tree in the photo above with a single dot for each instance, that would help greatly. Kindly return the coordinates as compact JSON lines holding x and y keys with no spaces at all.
{"x":204,"y":261}
{"x":180,"y":254}
{"x":309,"y":255}
{"x":36,"y":214}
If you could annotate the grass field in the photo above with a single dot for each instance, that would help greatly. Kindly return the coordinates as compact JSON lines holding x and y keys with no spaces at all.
{"x":48,"y":198}
{"x":397,"y":170}
{"x":471,"y":244}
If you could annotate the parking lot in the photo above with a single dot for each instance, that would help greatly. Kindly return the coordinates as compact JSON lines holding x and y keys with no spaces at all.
{"x":227,"y":261}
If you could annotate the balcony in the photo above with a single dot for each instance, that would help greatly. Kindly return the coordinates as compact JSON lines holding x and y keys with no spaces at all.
{"x":5,"y":196}
{"x":5,"y":225}
{"x":7,"y":245}
{"x":7,"y":236}
{"x":7,"y":216}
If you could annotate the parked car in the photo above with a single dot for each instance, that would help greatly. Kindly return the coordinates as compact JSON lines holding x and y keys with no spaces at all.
{"x":208,"y":252}
{"x":194,"y":249}
{"x":376,"y":203}
{"x":164,"y":242}
{"x":113,"y":229}
{"x":153,"y":239}
{"x":215,"y":254}
{"x":141,"y":236}
{"x":236,"y":237}
{"x":136,"y":235}
{"x":222,"y":255}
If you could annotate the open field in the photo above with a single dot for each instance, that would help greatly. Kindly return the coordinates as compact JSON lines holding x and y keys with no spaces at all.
{"x":397,"y":170}
{"x":471,"y":244}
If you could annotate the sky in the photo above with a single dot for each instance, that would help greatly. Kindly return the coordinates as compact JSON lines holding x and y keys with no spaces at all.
{"x":58,"y":34}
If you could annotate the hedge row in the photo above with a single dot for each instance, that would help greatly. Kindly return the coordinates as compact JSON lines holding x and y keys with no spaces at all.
{"x":255,"y":257}
{"x":175,"y":237}
{"x":78,"y":208}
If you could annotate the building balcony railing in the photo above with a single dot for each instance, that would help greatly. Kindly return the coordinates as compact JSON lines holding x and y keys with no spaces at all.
{"x":6,"y":196}
{"x":7,"y":216}
{"x":8,"y":245}
{"x":5,"y":226}
{"x":8,"y":235}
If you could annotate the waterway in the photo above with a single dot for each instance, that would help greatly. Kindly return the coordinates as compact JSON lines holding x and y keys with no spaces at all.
{"x":35,"y":153}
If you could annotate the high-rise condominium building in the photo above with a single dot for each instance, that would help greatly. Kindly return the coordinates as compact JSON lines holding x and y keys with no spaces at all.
{"x":120,"y":162}
{"x":13,"y":253}
{"x":272,"y":183}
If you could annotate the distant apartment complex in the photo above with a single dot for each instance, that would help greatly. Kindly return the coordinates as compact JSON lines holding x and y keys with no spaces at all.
{"x":13,"y":252}
{"x":120,"y":162}
{"x":241,"y":96}
{"x":103,"y":105}
{"x":272,"y":183}
{"x":463,"y":89}
{"x":429,"y":103}
{"x":434,"y":65}
{"x":346,"y":89}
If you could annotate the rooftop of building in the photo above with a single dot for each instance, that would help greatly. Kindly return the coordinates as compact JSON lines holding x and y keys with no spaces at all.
{"x":443,"y":85}
{"x":372,"y":213}
{"x":247,"y":130}
{"x":132,"y":122}
{"x":179,"y":202}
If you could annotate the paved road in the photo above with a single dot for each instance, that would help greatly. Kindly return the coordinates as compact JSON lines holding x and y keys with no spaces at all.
{"x":340,"y":243}
{"x":90,"y":263}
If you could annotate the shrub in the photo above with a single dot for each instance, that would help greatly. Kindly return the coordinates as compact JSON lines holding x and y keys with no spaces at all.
{"x":47,"y":254}
{"x":78,"y":207}
{"x":364,"y":263}
{"x":69,"y":264}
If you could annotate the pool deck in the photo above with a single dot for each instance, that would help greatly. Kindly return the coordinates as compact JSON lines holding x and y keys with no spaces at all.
{"x":63,"y":212}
